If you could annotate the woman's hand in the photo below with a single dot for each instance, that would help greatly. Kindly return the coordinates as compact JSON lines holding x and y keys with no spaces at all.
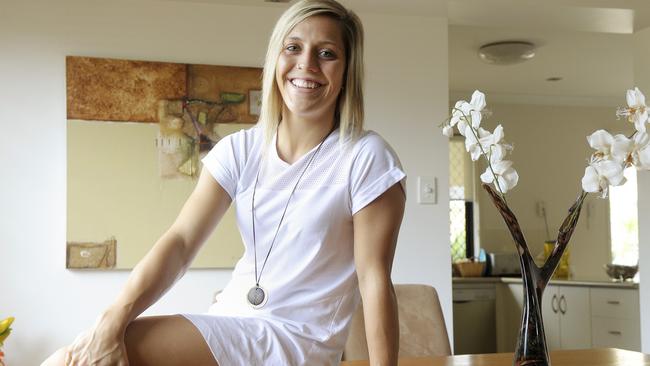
{"x":103,"y":345}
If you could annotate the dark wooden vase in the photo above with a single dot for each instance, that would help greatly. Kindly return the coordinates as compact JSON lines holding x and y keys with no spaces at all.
{"x":531,"y":347}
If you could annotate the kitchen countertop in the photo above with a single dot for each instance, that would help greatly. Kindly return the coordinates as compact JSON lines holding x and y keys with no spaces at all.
{"x":574,"y":282}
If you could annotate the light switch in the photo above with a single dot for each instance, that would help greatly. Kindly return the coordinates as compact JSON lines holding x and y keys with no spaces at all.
{"x":427,"y":190}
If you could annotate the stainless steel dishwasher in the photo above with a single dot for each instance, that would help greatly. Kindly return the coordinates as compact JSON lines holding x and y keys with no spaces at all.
{"x":474,"y":308}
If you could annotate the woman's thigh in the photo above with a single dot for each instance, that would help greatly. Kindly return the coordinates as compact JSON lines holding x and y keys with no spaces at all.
{"x":166,"y":340}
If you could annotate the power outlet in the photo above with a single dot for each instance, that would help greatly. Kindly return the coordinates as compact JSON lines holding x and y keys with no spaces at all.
{"x":427,"y":190}
{"x":540,"y":208}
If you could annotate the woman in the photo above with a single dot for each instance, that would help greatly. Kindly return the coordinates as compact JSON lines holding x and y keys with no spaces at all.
{"x":319,"y":203}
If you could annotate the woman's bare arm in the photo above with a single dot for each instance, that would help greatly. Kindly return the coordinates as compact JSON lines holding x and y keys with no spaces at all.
{"x":165,"y":263}
{"x":172,"y":254}
{"x":376,"y":227}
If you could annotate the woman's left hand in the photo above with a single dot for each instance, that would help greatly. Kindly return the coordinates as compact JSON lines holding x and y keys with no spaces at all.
{"x":99,"y":346}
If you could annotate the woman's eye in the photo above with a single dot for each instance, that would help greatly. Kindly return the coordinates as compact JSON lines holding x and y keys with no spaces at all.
{"x":291,"y":48}
{"x":327,"y":54}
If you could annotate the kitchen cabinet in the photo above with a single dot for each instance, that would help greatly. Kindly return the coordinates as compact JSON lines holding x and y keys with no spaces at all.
{"x":615,"y":318}
{"x":577,"y":314}
{"x":566,"y":313}
{"x":474,"y":318}
{"x":567,"y":317}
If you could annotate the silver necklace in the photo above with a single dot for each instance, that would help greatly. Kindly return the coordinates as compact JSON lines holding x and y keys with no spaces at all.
{"x":257,"y":296}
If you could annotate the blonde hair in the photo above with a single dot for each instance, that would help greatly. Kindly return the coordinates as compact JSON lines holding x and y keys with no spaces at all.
{"x":349,"y":108}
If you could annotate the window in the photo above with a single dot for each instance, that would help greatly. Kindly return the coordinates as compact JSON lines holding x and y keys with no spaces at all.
{"x":624,"y":221}
{"x":460,"y":205}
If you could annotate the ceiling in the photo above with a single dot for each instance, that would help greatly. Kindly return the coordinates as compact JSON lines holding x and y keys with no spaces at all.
{"x":401,"y":7}
{"x":587,"y":43}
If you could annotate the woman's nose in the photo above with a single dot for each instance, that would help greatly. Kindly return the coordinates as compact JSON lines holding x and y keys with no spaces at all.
{"x":308,"y":62}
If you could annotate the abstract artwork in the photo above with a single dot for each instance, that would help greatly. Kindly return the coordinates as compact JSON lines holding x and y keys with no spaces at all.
{"x":187,"y":101}
{"x":135,"y":133}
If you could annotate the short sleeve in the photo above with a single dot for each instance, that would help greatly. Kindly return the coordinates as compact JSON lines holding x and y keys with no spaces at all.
{"x":224,"y":162}
{"x":374,"y":170}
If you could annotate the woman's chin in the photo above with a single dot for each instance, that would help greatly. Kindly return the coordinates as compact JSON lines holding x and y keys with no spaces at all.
{"x":309,"y":114}
{"x":309,"y":110}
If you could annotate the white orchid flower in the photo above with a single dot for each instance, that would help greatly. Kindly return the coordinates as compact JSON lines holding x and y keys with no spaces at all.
{"x":610,"y":147}
{"x":631,"y":151}
{"x":462,"y":111}
{"x":640,"y":154}
{"x":600,"y":174}
{"x":475,"y":118}
{"x":467,"y":116}
{"x":488,"y":143}
{"x":636,"y":102}
{"x":497,"y":152}
{"x":478,"y":101}
{"x":461,"y":108}
{"x":637,"y":111}
{"x":465,"y":113}
{"x":643,"y":159}
{"x":476,"y":141}
{"x":602,"y":141}
{"x":462,"y":114}
{"x":458,"y":114}
{"x":448,"y":131}
{"x":476,"y":105}
{"x":502,"y":174}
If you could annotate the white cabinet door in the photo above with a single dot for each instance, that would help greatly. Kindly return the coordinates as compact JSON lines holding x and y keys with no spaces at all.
{"x":616,"y":333}
{"x":584,"y":317}
{"x":615,"y":318}
{"x":575,"y":323}
{"x":551,"y":316}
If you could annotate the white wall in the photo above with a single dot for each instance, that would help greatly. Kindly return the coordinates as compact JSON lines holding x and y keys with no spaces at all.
{"x":642,"y":80}
{"x":406,"y":97}
{"x":550,"y":155}
{"x":407,"y":84}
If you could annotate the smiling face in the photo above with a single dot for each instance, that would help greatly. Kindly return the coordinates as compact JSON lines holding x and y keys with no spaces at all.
{"x":310,"y":68}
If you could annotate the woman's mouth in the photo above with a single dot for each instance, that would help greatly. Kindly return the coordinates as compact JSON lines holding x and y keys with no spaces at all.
{"x":305,"y":84}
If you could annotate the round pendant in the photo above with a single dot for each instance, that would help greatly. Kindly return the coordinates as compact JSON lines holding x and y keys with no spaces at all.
{"x":257,"y":297}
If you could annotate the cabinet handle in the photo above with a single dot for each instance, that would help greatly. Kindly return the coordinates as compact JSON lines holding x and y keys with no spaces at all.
{"x":614,"y":332}
{"x":613,"y":302}
{"x":562,"y":309}
{"x":554,"y":303}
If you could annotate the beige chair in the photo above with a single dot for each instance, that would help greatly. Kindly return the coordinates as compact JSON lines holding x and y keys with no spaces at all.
{"x":422,"y":330}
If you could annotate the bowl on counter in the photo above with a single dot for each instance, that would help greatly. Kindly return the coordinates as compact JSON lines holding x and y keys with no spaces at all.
{"x":619,"y":272}
{"x":470,"y":269}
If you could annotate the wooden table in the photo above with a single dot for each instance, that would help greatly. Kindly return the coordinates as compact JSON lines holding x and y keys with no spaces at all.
{"x":587,"y":357}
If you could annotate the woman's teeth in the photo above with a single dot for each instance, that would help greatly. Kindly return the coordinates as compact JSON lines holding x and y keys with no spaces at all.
{"x":301,"y":83}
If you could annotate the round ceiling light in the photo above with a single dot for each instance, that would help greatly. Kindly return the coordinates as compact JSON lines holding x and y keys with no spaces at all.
{"x":506,"y":52}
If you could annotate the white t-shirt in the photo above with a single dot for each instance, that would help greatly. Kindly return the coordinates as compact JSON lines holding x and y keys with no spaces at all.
{"x":309,"y":276}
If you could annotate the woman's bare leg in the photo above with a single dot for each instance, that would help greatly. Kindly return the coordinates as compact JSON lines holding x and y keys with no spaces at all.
{"x":161,"y":341}
{"x":166,"y":340}
{"x":57,"y":358}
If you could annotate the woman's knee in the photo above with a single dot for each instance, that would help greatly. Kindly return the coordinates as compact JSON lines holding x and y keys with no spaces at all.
{"x":57,"y":358}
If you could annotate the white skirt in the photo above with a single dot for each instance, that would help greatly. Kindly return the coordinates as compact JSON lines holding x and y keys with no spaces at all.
{"x":254,"y":341}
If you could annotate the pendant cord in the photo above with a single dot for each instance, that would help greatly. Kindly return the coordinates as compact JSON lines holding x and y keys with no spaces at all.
{"x":277,"y":230}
